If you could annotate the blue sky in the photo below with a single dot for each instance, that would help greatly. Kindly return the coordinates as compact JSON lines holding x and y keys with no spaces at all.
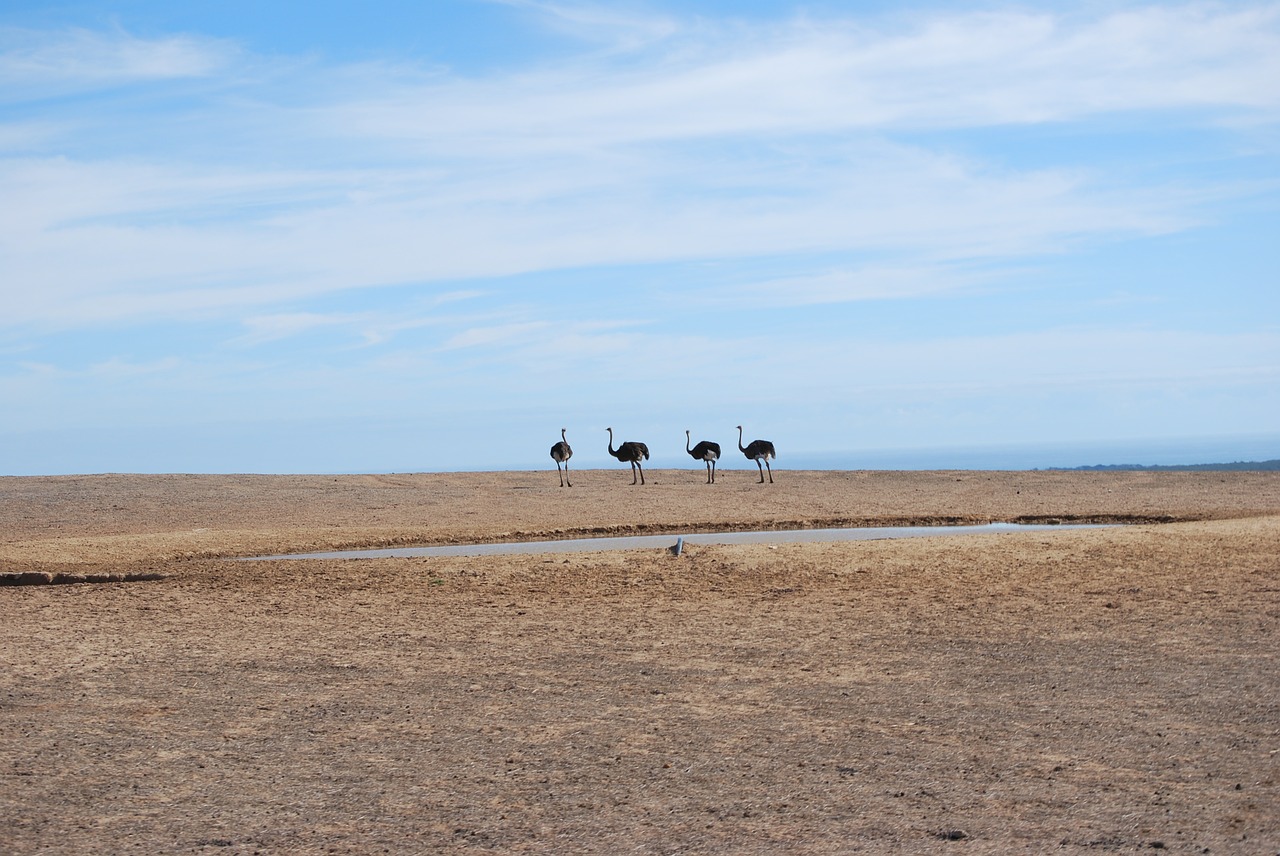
{"x":334,"y":237}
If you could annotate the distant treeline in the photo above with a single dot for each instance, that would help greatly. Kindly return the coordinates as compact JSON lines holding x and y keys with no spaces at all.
{"x":1237,"y":466}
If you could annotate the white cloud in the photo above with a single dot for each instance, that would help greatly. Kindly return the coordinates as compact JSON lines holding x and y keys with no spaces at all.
{"x":118,"y":369}
{"x":276,"y":326}
{"x":26,"y":136}
{"x":366,"y":327}
{"x":99,"y":242}
{"x":500,"y":335}
{"x":1062,"y":358}
{"x":615,"y":27}
{"x":848,"y":285}
{"x":958,"y":71}
{"x":36,"y":64}
{"x":708,"y":143}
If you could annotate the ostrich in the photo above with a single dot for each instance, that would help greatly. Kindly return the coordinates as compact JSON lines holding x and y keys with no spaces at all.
{"x":704,"y":451}
{"x":758,"y":450}
{"x":631,"y":452}
{"x":561,"y":453}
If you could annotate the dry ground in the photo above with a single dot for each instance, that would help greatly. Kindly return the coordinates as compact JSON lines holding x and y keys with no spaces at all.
{"x":1110,"y":690}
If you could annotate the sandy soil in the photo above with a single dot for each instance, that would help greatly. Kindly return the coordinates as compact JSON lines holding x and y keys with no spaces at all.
{"x":1114,"y":689}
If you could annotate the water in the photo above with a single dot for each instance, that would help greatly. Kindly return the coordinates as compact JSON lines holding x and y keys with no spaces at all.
{"x":643,"y":542}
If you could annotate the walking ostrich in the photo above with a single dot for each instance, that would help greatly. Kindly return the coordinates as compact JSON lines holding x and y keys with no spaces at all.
{"x":758,"y":450}
{"x":632,"y":453}
{"x":704,"y":451}
{"x":561,"y":453}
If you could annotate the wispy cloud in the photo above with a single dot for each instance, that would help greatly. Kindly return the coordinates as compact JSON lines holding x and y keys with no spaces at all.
{"x":615,"y":27}
{"x":364,"y":328}
{"x":729,"y":142}
{"x":36,"y":64}
{"x":261,"y":329}
{"x":103,"y":242}
{"x":849,"y":285}
{"x":501,"y":335}
{"x":815,"y":77}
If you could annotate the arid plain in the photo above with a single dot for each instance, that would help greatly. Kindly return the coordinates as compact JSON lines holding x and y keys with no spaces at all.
{"x":1110,"y":689}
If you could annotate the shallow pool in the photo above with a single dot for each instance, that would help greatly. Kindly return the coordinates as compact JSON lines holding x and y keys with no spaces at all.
{"x":649,"y":542}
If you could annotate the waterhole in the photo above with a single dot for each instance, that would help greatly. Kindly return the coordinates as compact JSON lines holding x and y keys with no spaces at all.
{"x":647,"y":542}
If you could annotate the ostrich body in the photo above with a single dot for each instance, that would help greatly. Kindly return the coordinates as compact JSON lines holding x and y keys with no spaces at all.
{"x":561,"y":453}
{"x":704,"y":451}
{"x":758,"y":451}
{"x":632,"y":453}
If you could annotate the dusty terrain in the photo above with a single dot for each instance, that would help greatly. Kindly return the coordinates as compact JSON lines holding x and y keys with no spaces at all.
{"x":1102,"y":690}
